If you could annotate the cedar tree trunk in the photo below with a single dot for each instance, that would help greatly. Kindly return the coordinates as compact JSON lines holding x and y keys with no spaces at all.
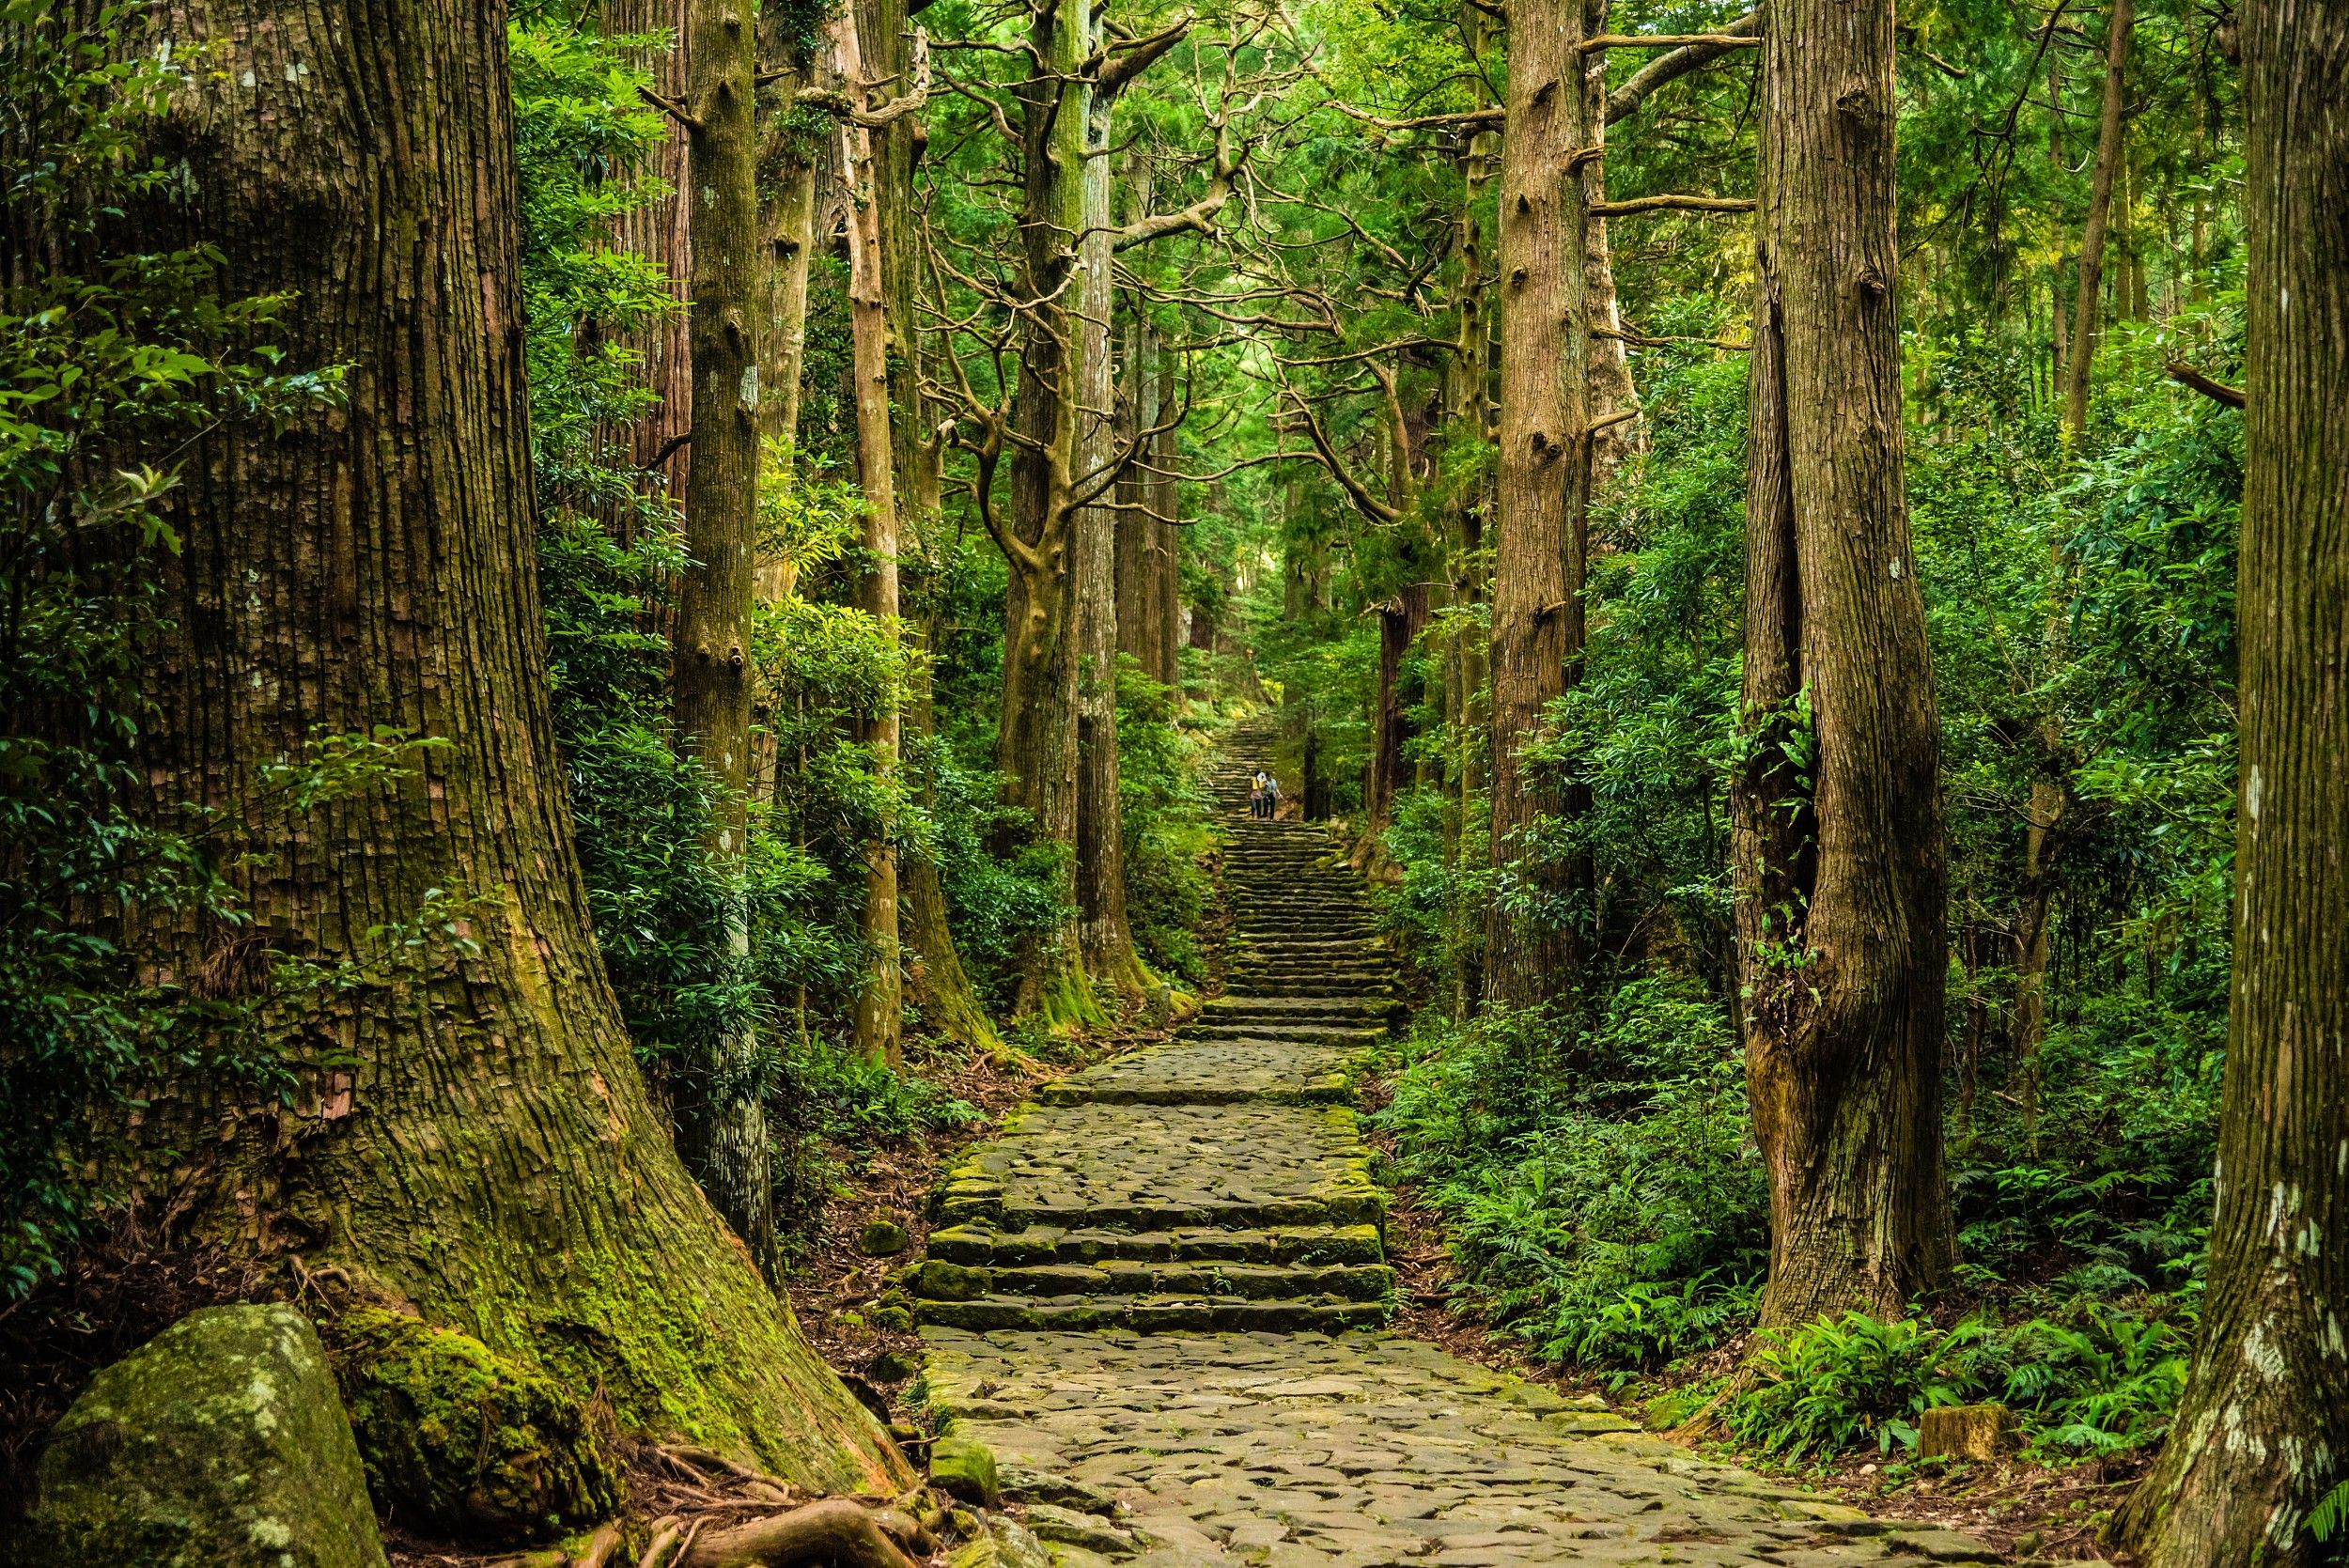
{"x":2092,"y":274}
{"x":2263,"y":1429}
{"x":470,"y":1132}
{"x":721,"y":1121}
{"x":1841,"y":896}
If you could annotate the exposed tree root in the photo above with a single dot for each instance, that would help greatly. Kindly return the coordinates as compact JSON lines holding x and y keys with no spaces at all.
{"x":837,"y":1530}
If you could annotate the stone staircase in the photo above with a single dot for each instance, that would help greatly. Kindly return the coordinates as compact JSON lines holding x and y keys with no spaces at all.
{"x":1219,"y":1181}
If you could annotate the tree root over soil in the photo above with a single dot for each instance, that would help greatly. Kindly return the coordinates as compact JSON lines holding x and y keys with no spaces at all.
{"x":717,"y":1512}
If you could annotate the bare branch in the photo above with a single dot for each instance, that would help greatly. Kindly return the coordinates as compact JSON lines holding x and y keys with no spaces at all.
{"x":2218,"y":392}
{"x":1627,"y":98}
{"x":1671,"y":204}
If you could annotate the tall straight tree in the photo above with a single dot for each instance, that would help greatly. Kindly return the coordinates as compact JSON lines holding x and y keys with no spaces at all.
{"x":2263,"y":1433}
{"x":1103,"y":937}
{"x":1540,"y":479}
{"x":879,"y":1012}
{"x":1837,"y":843}
{"x":721,"y":1121}
{"x":470,"y":1133}
{"x":2118,"y":19}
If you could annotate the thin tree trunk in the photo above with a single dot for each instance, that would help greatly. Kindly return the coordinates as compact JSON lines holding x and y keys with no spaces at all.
{"x":1841,"y":900}
{"x":879,"y":1009}
{"x":721,"y":1122}
{"x":787,"y":220}
{"x":2092,"y":268}
{"x":1165,"y":492}
{"x":477,"y":1142}
{"x":2263,"y":1429}
{"x":1541,"y":476}
{"x":1609,"y":363}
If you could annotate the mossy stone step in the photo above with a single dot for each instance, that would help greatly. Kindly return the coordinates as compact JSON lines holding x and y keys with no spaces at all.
{"x":980,"y":1243}
{"x":1211,"y":1071}
{"x":938,"y":1279}
{"x":1152,"y":1315}
{"x":1161,"y":1167}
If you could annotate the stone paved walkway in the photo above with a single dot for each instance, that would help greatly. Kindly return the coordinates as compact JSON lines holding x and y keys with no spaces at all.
{"x":1155,"y":1299}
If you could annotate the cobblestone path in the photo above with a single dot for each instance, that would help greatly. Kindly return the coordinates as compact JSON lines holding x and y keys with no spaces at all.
{"x":1156,"y":1300}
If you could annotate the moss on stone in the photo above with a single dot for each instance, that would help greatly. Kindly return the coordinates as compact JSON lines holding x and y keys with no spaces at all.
{"x":459,"y":1439}
{"x":221,"y":1441}
{"x":965,"y":1467}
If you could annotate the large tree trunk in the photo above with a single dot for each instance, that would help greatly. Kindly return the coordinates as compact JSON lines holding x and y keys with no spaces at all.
{"x":1609,"y":365}
{"x":1841,"y":902}
{"x":721,"y":1119}
{"x":2263,"y":1430}
{"x":1036,"y":745}
{"x":878,"y":1031}
{"x":470,"y":1134}
{"x":1468,"y":412}
{"x":2091,"y":270}
{"x":1541,"y":476}
{"x":1102,"y":933}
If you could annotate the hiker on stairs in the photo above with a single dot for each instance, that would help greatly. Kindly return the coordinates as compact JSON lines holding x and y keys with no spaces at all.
{"x":1265,"y":798}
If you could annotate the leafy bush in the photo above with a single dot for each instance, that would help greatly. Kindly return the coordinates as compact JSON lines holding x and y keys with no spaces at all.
{"x":1165,"y":810}
{"x":2102,"y":1384}
{"x":112,"y":361}
{"x":1612,"y":1215}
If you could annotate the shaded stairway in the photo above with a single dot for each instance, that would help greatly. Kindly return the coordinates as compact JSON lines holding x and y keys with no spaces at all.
{"x":1217,"y":1181}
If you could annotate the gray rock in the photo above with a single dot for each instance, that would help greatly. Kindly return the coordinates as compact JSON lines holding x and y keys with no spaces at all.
{"x":1067,"y":1526}
{"x":220,"y":1443}
{"x":1025,"y":1483}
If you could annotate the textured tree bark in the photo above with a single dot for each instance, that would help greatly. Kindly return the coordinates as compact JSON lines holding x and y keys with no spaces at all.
{"x":879,"y":1028}
{"x":1841,"y":894}
{"x":470,"y":1134}
{"x":2117,"y":19}
{"x":787,"y":221}
{"x":2260,"y":1435}
{"x":721,"y":1121}
{"x":658,"y":231}
{"x":1469,"y":415}
{"x":1036,"y":749}
{"x":1400,"y":622}
{"x":1107,"y":944}
{"x":1541,"y":475}
{"x":1611,"y":389}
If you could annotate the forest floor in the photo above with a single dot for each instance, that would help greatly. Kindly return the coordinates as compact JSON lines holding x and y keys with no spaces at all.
{"x":2028,"y":1512}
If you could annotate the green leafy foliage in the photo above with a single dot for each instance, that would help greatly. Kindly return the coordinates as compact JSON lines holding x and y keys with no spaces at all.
{"x":2097,"y":1386}
{"x":113,"y":361}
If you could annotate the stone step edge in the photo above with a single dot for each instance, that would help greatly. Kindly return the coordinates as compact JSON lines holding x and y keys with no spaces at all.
{"x":1145,"y":1314}
{"x":981,"y":1244}
{"x":937,"y":1280}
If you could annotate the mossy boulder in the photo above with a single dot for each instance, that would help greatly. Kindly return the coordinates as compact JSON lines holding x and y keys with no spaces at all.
{"x":221,"y":1442}
{"x":965,"y":1467}
{"x":460,"y":1440}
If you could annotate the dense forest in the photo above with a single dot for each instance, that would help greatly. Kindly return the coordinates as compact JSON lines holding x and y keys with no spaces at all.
{"x":604,"y":601}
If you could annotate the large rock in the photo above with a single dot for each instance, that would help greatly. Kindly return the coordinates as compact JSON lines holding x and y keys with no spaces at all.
{"x":220,"y":1443}
{"x":464,"y":1442}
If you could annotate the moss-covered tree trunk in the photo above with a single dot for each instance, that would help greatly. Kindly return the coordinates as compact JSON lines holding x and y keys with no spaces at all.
{"x":1036,"y":739}
{"x":469,"y":1132}
{"x":1108,"y":944}
{"x":2263,"y":1433}
{"x":721,"y":1117}
{"x":878,"y":1028}
{"x":1840,"y":897}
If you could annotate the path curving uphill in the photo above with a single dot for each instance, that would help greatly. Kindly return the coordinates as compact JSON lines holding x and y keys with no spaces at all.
{"x":1157,"y":1297}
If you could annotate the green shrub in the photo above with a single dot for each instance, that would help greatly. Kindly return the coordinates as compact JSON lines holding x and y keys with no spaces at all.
{"x":2100,"y":1386}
